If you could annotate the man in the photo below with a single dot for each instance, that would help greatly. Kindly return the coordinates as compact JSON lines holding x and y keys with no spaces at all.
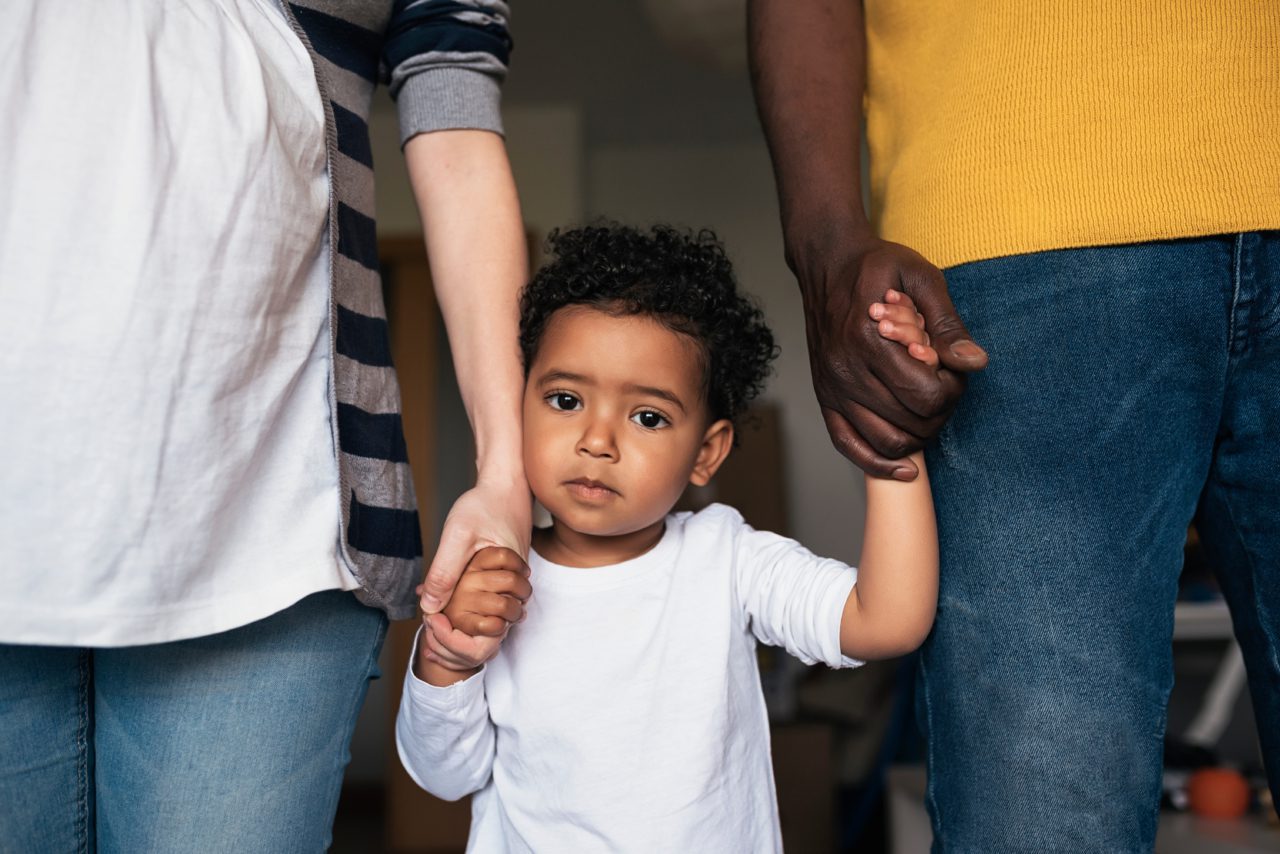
{"x":1097,"y":181}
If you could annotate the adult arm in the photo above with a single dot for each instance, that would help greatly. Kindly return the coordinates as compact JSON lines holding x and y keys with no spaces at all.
{"x":475,"y":242}
{"x":446,"y":62}
{"x":890,"y":610}
{"x":808,"y":72}
{"x":444,"y":736}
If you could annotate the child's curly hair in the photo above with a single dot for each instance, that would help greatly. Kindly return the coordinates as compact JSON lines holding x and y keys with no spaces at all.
{"x":680,"y":278}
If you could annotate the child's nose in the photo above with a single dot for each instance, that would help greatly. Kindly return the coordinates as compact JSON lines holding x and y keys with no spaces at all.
{"x":598,"y":440}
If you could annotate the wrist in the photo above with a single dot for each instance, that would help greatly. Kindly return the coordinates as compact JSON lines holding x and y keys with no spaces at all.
{"x":500,"y":459}
{"x":812,"y":239}
{"x":502,"y":474}
{"x":434,"y":673}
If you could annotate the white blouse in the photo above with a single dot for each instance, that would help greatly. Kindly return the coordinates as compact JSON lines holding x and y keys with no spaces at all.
{"x":165,"y":409}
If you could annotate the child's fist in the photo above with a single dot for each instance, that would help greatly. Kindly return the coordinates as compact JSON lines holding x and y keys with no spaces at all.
{"x":897,"y":320}
{"x":489,"y":597}
{"x":491,"y":593}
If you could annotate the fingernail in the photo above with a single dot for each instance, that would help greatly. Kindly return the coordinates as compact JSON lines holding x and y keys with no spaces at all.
{"x":430,"y":604}
{"x":877,"y":311}
{"x":967,"y":349}
{"x":903,"y":474}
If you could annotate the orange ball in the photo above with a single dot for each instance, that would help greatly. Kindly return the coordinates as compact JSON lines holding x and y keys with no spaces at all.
{"x":1218,"y":793}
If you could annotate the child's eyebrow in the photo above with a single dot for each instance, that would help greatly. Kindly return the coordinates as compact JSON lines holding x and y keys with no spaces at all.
{"x":562,"y":377}
{"x":654,"y":391}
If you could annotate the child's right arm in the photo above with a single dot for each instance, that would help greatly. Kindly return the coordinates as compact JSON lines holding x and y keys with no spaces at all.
{"x":443,"y":733}
{"x":488,"y":599}
{"x":444,"y":736}
{"x":892,"y":605}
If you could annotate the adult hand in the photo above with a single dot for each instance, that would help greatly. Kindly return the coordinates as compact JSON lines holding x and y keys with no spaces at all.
{"x":495,"y":512}
{"x":880,"y":404}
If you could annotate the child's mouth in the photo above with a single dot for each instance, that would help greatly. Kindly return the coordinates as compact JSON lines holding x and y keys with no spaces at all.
{"x":590,"y":490}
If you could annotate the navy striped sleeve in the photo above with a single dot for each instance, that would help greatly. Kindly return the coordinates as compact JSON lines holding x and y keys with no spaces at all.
{"x":357,"y":236}
{"x":365,"y":339}
{"x":353,"y":135}
{"x":383,"y":531}
{"x":377,"y":435}
{"x":343,"y":43}
{"x":446,"y":26}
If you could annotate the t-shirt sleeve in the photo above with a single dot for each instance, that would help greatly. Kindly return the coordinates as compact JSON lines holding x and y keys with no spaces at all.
{"x":446,"y":61}
{"x":444,"y":736}
{"x":791,"y":597}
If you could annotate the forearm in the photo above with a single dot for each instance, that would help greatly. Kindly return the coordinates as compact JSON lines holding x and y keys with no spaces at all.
{"x":892,"y":606}
{"x":445,"y":738}
{"x":808,"y":72}
{"x":475,"y":243}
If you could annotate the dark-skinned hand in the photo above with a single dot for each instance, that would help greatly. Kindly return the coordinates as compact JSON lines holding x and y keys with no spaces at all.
{"x":880,"y":404}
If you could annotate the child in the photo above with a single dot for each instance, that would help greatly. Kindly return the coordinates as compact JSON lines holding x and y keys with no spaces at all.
{"x":625,"y":712}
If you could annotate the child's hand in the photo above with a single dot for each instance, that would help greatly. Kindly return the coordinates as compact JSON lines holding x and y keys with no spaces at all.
{"x":898,"y":320}
{"x":491,"y":593}
{"x":488,"y":599}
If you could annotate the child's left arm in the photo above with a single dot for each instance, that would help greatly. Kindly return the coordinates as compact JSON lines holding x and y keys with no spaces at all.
{"x":891,"y":608}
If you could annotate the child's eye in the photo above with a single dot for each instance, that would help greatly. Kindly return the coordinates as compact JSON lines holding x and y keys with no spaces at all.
{"x":650,"y":420}
{"x":563,"y":401}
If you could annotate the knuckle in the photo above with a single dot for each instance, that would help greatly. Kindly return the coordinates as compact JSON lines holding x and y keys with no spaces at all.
{"x":847,"y":445}
{"x":932,"y":400}
{"x":896,"y":447}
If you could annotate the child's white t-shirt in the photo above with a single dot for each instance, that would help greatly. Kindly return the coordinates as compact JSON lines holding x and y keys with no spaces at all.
{"x":625,"y":713}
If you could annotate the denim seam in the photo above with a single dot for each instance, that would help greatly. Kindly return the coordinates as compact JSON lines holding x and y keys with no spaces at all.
{"x":1237,"y":259}
{"x":82,"y":752}
{"x":929,"y":756}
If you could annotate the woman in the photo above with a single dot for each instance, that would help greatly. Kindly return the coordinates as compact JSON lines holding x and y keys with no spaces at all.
{"x":208,"y":513}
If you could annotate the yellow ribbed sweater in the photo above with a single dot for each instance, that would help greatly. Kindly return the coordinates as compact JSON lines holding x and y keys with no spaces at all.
{"x":999,"y":127}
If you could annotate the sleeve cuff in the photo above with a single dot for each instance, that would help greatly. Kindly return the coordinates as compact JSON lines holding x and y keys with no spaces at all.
{"x":839,"y":594}
{"x":449,"y":99}
{"x":435,"y":698}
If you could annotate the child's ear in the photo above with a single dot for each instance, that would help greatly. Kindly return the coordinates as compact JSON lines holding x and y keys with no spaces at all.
{"x":716,"y":443}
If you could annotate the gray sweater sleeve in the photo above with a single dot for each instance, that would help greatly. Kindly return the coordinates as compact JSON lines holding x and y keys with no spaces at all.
{"x":446,"y":61}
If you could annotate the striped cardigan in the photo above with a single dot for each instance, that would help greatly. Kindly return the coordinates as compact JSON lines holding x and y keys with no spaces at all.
{"x":444,"y":61}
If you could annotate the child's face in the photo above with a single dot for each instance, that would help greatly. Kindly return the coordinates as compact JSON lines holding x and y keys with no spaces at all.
{"x":615,"y":423}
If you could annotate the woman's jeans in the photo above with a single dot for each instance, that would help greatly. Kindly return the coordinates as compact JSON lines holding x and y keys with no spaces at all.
{"x":232,"y":742}
{"x":1130,"y":390}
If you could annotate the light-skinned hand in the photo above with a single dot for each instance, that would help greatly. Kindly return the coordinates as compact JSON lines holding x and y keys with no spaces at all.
{"x":495,"y":512}
{"x":897,"y":320}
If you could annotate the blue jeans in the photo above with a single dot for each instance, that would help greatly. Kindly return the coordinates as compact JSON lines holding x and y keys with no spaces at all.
{"x":232,"y":742}
{"x":1130,"y":389}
